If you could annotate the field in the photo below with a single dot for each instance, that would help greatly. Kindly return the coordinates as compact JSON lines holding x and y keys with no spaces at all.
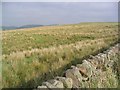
{"x":33,"y":55}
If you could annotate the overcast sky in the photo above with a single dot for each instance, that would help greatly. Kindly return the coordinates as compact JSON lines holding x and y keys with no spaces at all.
{"x":45,"y":13}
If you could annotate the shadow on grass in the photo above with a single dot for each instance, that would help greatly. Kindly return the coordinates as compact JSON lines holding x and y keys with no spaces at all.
{"x":37,"y":81}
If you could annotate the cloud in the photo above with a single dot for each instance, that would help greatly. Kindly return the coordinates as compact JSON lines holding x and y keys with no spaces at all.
{"x":58,"y":13}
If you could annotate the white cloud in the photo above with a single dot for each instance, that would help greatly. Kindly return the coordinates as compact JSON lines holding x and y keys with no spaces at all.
{"x":58,"y":13}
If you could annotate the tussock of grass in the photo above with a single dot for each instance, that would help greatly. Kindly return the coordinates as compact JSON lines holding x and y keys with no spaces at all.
{"x":35,"y":55}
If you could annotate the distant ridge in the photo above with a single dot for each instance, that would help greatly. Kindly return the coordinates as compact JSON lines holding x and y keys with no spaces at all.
{"x":20,"y":27}
{"x":8,"y":27}
{"x":25,"y":26}
{"x":29,"y":26}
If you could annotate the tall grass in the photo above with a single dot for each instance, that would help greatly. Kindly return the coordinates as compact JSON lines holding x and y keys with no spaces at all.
{"x":33,"y":56}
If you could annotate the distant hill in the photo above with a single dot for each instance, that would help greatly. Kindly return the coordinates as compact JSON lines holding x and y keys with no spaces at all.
{"x":29,"y":26}
{"x":8,"y":27}
{"x":20,"y":27}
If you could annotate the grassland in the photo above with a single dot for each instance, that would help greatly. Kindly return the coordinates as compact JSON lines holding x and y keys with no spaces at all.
{"x":33,"y":55}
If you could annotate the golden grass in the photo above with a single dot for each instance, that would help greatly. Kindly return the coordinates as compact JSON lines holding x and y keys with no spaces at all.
{"x":31,"y":56}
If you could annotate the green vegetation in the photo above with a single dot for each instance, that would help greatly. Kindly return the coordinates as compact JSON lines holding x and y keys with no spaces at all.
{"x":31,"y":56}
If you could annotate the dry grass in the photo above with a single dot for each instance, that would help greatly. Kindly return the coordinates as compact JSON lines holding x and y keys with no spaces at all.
{"x":34,"y":55}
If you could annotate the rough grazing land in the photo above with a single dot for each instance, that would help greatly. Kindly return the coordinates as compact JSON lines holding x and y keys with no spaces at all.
{"x":33,"y":55}
{"x":100,"y":71}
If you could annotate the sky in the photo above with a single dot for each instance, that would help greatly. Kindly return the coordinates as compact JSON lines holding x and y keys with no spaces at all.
{"x":46,"y":13}
{"x":60,"y":0}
